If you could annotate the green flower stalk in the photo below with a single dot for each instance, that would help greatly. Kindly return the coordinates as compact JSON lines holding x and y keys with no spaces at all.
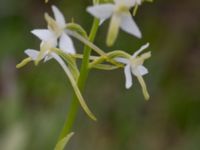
{"x":81,"y":82}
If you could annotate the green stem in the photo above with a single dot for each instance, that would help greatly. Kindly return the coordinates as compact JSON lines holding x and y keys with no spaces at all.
{"x":71,"y":116}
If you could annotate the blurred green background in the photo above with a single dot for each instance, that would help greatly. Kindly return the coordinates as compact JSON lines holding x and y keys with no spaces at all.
{"x":34,"y":100}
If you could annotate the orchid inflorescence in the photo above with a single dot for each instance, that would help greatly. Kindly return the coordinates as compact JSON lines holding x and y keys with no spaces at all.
{"x":56,"y":43}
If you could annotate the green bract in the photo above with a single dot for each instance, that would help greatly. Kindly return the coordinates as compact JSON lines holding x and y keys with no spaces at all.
{"x":63,"y":142}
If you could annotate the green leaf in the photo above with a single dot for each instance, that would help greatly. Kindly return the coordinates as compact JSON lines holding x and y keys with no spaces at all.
{"x":63,"y":142}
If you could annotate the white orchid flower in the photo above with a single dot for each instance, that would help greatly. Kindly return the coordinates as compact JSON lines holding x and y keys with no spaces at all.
{"x":120,"y":18}
{"x":55,"y":35}
{"x":65,"y":42}
{"x":49,"y":41}
{"x":134,"y":66}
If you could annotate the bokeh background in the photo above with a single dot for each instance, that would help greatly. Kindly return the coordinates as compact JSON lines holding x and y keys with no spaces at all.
{"x":34,"y":100}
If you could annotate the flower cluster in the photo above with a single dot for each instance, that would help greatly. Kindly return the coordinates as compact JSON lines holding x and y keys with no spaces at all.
{"x":56,"y":43}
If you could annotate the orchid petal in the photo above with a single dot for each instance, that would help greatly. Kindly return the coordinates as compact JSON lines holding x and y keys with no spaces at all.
{"x":43,"y":34}
{"x":128,"y":25}
{"x":128,"y":77}
{"x":101,"y":12}
{"x":32,"y":53}
{"x":142,"y":70}
{"x":66,"y":44}
{"x":59,"y":17}
{"x":140,"y":50}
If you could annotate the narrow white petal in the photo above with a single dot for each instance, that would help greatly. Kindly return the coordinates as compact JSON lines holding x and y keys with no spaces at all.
{"x":66,"y":44}
{"x":128,"y":77}
{"x":142,"y":70}
{"x":139,"y":70}
{"x":128,"y":25}
{"x":101,"y":12}
{"x":59,"y":17}
{"x":32,"y":53}
{"x":140,"y":50}
{"x":43,"y":34}
{"x":122,"y":60}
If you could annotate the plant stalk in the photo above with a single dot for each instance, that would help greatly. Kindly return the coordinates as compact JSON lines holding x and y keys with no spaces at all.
{"x":72,"y":113}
